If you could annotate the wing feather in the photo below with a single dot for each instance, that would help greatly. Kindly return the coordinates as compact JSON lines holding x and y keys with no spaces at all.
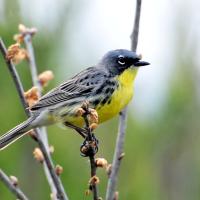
{"x":81,"y":85}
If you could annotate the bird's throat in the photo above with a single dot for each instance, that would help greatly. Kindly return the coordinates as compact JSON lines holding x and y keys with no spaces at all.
{"x":127,"y":77}
{"x":121,"y":97}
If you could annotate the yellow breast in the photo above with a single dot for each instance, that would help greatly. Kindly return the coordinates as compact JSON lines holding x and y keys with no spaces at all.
{"x":121,"y":97}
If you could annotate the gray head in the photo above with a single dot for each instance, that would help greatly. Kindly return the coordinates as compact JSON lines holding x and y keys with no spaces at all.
{"x":118,"y":60}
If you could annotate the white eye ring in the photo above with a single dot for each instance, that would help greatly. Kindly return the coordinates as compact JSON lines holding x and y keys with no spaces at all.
{"x":121,"y":60}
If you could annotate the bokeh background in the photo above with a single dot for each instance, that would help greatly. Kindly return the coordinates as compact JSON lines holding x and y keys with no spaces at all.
{"x":162,"y":143}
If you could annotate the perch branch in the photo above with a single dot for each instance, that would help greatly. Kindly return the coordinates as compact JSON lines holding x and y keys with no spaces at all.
{"x":12,"y":187}
{"x":91,"y":147}
{"x":92,"y":160}
{"x":112,"y":182}
{"x":47,"y":159}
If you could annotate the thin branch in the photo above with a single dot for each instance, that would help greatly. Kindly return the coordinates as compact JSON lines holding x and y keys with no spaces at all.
{"x":112,"y":182}
{"x":92,"y":161}
{"x":15,"y":76}
{"x":32,"y":63}
{"x":47,"y":159}
{"x":12,"y":187}
{"x":135,"y":32}
{"x":54,"y":180}
{"x":93,"y":174}
{"x":90,"y":144}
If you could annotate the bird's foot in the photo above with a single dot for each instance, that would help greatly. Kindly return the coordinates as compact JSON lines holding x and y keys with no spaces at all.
{"x":89,"y":146}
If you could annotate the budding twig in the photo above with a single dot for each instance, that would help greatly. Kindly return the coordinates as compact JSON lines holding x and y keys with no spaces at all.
{"x":32,"y":63}
{"x":89,"y":148}
{"x":13,"y":187}
{"x":111,"y":187}
{"x":15,"y":76}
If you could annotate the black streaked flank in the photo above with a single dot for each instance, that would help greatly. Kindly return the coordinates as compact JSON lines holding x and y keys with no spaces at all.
{"x":107,"y":90}
{"x":105,"y":100}
{"x":95,"y":102}
{"x":109,"y":101}
{"x":112,"y":90}
{"x":108,"y":83}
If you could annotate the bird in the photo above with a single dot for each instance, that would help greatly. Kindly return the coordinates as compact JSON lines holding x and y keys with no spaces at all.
{"x":106,"y":86}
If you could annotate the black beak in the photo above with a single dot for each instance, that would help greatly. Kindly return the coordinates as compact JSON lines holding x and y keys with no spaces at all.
{"x":141,"y":63}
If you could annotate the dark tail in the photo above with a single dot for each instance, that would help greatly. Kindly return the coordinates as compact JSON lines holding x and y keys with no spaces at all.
{"x":15,"y":133}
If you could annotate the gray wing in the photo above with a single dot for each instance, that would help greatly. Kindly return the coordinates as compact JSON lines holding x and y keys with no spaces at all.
{"x":78,"y":87}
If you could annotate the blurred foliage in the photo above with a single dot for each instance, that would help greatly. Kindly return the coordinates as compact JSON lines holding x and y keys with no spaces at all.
{"x":162,"y":153}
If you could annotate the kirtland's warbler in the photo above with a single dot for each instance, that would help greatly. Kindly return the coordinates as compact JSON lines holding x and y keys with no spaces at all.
{"x":107,"y":86}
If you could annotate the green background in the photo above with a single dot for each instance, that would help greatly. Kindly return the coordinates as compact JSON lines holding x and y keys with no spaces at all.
{"x":162,"y":158}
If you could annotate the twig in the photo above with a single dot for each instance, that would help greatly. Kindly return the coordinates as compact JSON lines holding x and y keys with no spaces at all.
{"x":112,"y":182}
{"x":92,"y":161}
{"x":52,"y":177}
{"x":32,"y":63}
{"x":12,"y":187}
{"x":135,"y":32}
{"x":90,"y":144}
{"x":47,"y":159}
{"x":15,"y":77}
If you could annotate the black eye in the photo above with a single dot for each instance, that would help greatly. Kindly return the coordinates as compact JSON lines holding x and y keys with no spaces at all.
{"x":121,"y":60}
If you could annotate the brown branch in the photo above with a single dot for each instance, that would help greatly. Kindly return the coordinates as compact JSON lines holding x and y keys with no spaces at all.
{"x":12,"y":187}
{"x":135,"y":32}
{"x":112,"y":182}
{"x":54,"y":180}
{"x":15,"y":76}
{"x":32,"y":63}
{"x":90,"y":144}
{"x":92,"y":162}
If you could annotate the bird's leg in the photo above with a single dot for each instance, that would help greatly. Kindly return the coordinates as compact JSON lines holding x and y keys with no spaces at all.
{"x":89,"y":147}
{"x":81,"y":131}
